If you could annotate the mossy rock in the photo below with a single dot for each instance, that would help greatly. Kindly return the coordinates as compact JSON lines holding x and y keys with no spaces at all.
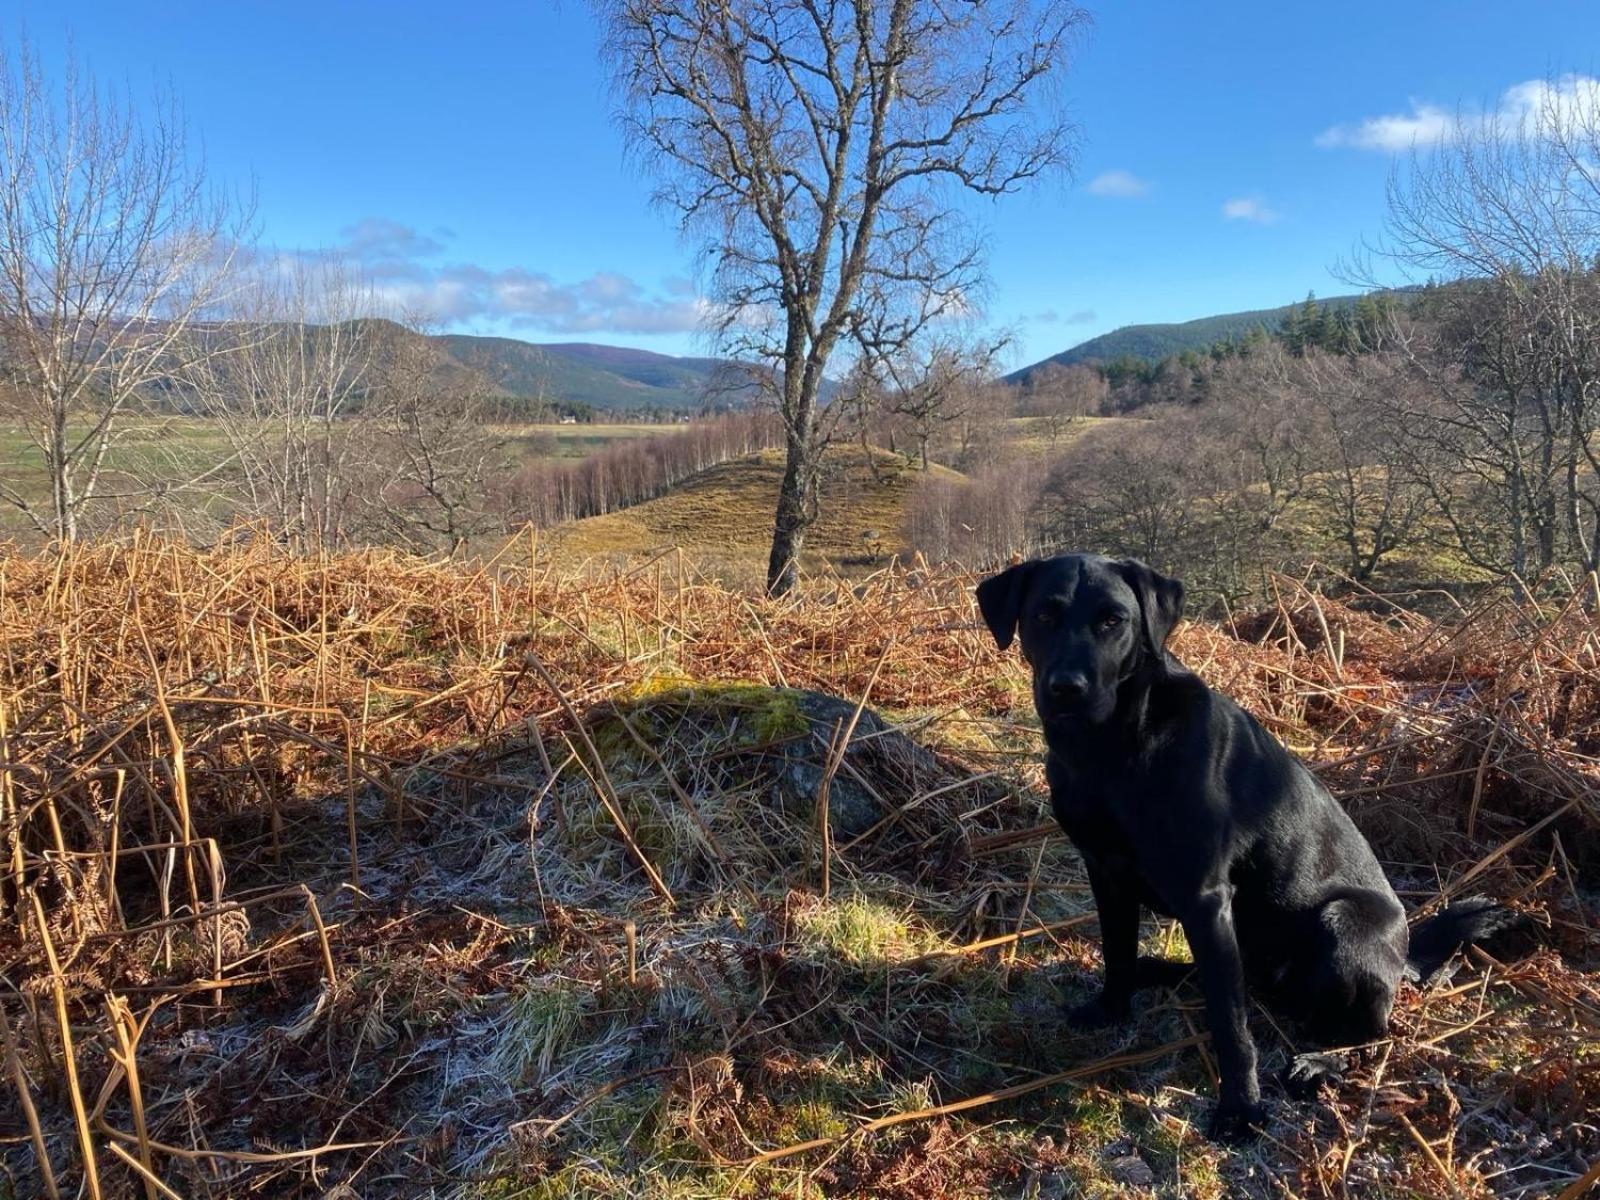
{"x":777,"y":739}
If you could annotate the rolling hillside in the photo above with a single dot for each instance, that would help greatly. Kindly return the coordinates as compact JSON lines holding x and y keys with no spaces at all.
{"x":1155,"y":342}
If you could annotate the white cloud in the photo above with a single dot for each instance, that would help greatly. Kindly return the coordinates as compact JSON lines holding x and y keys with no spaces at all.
{"x":605,"y":302}
{"x":1249,"y":208}
{"x":378,"y":238}
{"x":1118,"y":183}
{"x":1567,"y":99}
{"x":401,"y":265}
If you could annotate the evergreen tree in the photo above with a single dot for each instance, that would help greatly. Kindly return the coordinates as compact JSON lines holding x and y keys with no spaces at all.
{"x":1302,"y":326}
{"x":1341,"y":337}
{"x":1368,"y":323}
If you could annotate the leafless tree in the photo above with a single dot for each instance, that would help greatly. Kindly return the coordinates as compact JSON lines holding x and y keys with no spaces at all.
{"x":934,"y":382}
{"x":813,"y":147}
{"x":1367,"y":485}
{"x":1507,"y":210}
{"x":1261,"y":414}
{"x":112,"y":245}
{"x":435,"y":453}
{"x":281,"y":378}
{"x":1059,"y":395}
{"x":1125,"y":495}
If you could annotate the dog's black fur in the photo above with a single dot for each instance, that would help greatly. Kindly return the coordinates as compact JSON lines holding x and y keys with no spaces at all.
{"x":1179,"y":801}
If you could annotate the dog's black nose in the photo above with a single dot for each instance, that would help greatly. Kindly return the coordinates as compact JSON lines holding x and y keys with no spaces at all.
{"x":1067,"y":686}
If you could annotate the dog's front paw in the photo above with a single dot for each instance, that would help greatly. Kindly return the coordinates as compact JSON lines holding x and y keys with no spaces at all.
{"x":1102,"y":1011}
{"x":1308,"y":1072}
{"x":1237,"y":1123}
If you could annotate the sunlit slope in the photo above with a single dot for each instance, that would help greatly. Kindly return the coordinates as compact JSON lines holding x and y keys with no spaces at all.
{"x":724,"y":514}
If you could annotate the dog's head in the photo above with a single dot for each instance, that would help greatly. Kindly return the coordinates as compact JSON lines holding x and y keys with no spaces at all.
{"x":1086,"y":623}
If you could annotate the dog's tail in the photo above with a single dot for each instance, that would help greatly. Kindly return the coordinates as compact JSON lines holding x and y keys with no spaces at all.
{"x":1469,"y":922}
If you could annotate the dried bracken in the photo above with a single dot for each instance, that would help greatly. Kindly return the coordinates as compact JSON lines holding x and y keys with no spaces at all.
{"x":360,"y":874}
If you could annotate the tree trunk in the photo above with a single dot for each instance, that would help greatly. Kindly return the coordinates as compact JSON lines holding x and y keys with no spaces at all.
{"x":801,"y":378}
{"x":792,"y":521}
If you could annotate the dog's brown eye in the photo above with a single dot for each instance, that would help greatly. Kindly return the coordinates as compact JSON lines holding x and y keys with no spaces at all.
{"x":1110,"y":621}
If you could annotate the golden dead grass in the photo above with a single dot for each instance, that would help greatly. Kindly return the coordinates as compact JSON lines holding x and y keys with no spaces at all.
{"x":1037,"y":437}
{"x":723,"y":516}
{"x":366,"y":875}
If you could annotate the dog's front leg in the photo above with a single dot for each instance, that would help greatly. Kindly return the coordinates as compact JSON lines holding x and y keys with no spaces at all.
{"x":1118,"y":905}
{"x":1209,"y":927}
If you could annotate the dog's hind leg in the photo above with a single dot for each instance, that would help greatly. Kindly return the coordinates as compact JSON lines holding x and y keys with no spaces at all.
{"x":1341,"y":988}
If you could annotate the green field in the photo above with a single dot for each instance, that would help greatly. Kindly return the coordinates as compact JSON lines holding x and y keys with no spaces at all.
{"x":574,"y":441}
{"x":178,"y":449}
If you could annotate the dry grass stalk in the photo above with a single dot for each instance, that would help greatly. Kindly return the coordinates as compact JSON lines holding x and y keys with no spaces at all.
{"x":603,"y":785}
{"x":69,"y":1055}
{"x":141,"y":1168}
{"x":19,"y":1080}
{"x":1088,"y":1070}
{"x":127,"y":1030}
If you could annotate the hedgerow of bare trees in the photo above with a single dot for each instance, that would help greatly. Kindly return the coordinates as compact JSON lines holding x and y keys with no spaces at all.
{"x":812,"y":146}
{"x":549,"y":491}
{"x":112,"y":246}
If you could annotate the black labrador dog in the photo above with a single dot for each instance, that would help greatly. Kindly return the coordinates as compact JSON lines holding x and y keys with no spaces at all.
{"x":1179,"y":801}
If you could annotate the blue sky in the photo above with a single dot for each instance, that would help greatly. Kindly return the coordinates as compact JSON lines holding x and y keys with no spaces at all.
{"x":1228,"y":158}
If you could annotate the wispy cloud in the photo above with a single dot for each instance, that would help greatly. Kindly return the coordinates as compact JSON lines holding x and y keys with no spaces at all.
{"x":377,"y":238}
{"x":1118,"y":183}
{"x":1249,"y":208}
{"x":1050,"y":316}
{"x":1567,"y":98}
{"x":408,"y":272}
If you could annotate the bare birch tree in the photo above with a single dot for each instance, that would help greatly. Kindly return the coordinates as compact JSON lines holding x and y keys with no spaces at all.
{"x":814,"y":148}
{"x":281,"y":378}
{"x":435,"y":452}
{"x":1507,"y":210}
{"x":936,"y":382}
{"x":112,"y":245}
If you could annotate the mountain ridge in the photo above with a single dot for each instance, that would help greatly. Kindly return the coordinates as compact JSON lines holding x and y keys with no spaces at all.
{"x":1153,"y":341}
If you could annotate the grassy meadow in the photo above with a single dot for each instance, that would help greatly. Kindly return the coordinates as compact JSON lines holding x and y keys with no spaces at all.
{"x":526,"y":442}
{"x":175,"y":448}
{"x":723,"y":517}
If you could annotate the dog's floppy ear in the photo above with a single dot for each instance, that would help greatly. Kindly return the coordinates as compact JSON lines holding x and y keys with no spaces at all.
{"x":1160,"y":600}
{"x":1000,"y":600}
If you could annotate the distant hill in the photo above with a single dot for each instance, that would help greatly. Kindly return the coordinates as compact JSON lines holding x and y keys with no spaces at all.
{"x":1155,"y":342}
{"x":605,"y":377}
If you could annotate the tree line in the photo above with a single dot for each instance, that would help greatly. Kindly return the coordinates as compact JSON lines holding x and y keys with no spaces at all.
{"x":547,"y":492}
